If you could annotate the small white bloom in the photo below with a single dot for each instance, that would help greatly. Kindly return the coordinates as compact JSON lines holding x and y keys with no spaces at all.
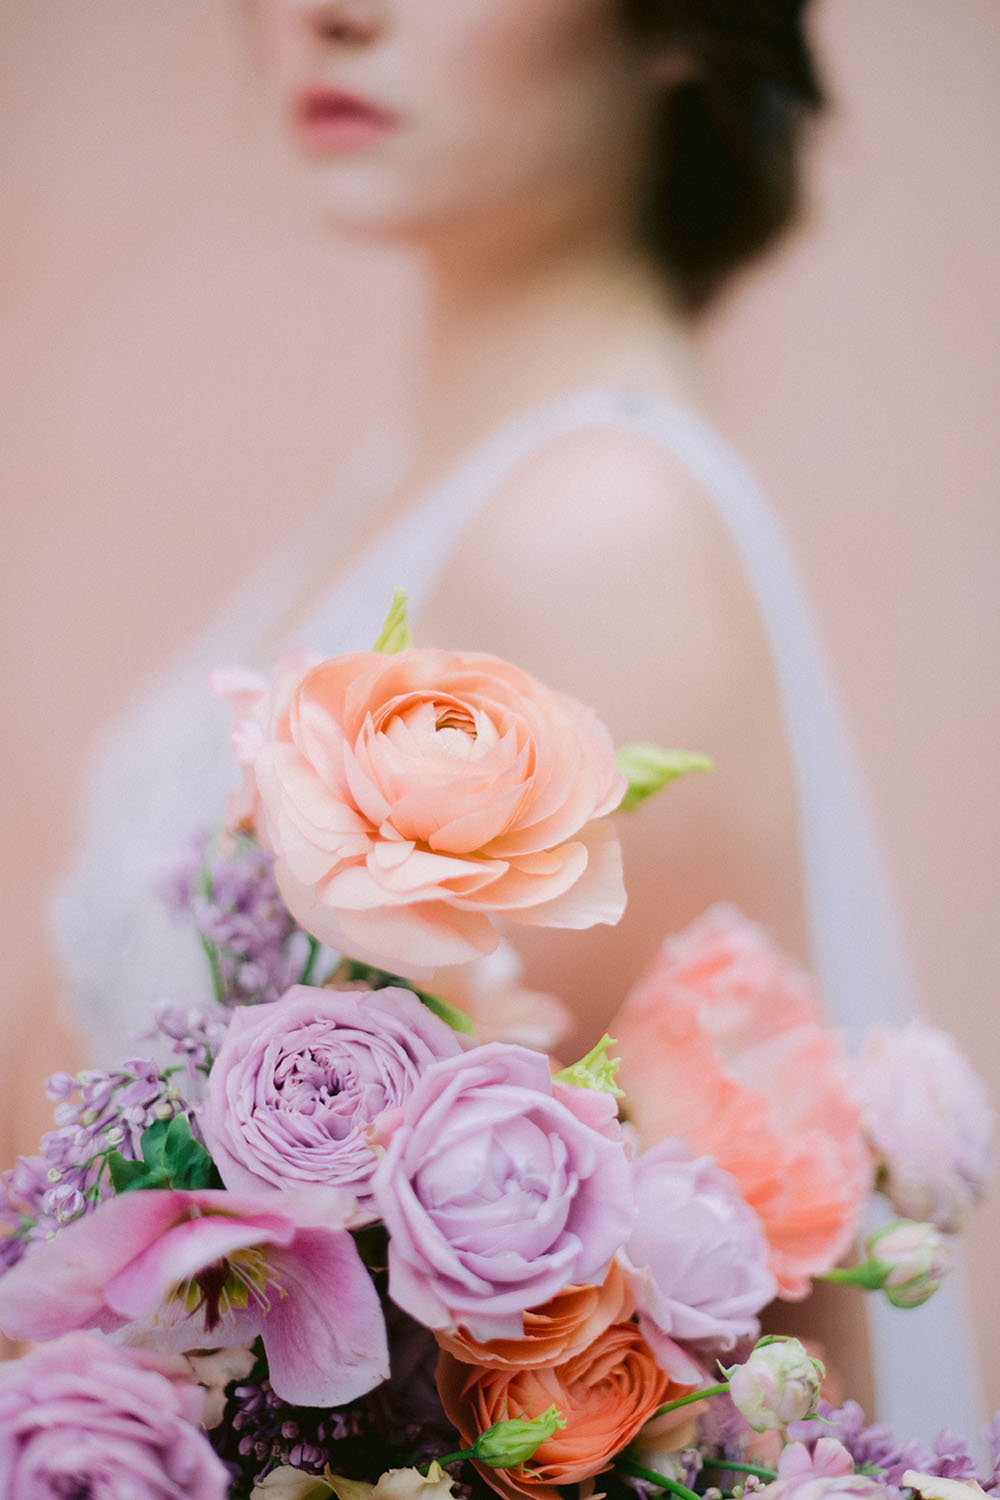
{"x":778,"y":1384}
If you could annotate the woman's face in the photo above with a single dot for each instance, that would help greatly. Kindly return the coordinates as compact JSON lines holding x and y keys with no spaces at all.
{"x":413,"y":114}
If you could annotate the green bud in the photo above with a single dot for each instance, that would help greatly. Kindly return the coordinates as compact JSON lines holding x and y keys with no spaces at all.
{"x":395,"y":633}
{"x":595,"y":1071}
{"x":648,"y":769}
{"x":507,"y":1445}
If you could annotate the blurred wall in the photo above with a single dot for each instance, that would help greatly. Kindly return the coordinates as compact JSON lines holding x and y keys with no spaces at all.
{"x":183,"y":370}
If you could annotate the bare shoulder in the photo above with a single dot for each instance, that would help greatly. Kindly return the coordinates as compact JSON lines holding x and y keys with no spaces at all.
{"x":602,"y":566}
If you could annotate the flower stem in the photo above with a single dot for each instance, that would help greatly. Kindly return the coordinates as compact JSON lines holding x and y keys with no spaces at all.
{"x":870,"y":1275}
{"x":734,"y":1466}
{"x":702,"y":1395}
{"x":310,"y":963}
{"x":672,"y":1486}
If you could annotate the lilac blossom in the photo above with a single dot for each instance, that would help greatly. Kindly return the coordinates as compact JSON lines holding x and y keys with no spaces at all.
{"x":226,"y":886}
{"x":95,"y":1112}
{"x":874,"y":1446}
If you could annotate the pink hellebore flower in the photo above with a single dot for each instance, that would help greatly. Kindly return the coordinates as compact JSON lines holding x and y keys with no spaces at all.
{"x":196,"y":1270}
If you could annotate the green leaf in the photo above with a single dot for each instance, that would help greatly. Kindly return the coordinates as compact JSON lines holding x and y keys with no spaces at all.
{"x":648,"y":769}
{"x":171,"y":1158}
{"x":187,"y":1163}
{"x":126,"y":1175}
{"x":395,"y":634}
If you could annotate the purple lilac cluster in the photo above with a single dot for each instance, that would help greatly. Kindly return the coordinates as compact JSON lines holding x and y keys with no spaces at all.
{"x":876,"y":1450}
{"x":41,"y":1194}
{"x":261,"y":1431}
{"x":226,"y":885}
{"x":192,"y":1034}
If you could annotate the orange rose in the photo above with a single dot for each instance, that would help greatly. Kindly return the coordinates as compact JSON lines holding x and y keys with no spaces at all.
{"x":606,"y":1393}
{"x":410,"y":798}
{"x":553,"y":1333}
{"x":723,"y":1043}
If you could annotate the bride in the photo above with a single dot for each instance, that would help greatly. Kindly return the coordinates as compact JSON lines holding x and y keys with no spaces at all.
{"x":573,"y":182}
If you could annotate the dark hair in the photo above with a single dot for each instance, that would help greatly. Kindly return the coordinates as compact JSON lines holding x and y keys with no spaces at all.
{"x":724,"y":181}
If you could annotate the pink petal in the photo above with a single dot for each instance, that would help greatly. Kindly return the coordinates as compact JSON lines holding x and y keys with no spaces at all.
{"x":324,"y":1334}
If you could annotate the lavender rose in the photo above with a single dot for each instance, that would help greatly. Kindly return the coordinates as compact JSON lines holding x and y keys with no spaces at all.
{"x":499,"y":1187}
{"x":928,"y":1120}
{"x":297,"y":1083}
{"x":696,"y":1259}
{"x":83,"y":1417}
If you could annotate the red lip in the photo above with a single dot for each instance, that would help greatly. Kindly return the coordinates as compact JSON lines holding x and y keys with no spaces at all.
{"x":329,"y":119}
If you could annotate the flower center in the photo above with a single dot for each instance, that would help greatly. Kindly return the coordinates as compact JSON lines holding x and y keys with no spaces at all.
{"x":228,"y":1286}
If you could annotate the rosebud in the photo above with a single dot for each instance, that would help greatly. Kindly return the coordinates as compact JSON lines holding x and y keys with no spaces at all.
{"x":778,"y":1384}
{"x":506,"y":1445}
{"x":915,"y":1258}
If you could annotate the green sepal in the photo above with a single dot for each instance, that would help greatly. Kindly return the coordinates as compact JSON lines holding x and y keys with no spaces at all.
{"x":648,"y":769}
{"x":395,"y":633}
{"x":595,"y":1071}
{"x":510,"y":1443}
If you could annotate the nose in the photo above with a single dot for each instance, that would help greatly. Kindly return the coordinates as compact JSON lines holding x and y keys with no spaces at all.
{"x":353,"y":23}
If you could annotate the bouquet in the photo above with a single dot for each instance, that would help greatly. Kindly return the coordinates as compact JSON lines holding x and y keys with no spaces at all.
{"x":351,"y":1231}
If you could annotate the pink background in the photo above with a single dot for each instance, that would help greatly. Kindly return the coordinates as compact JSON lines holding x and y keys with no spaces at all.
{"x":184,"y":367}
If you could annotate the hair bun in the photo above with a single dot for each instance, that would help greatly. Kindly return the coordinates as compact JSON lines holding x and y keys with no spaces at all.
{"x":724,"y":177}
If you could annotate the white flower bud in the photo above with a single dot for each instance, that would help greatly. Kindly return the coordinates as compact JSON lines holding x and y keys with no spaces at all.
{"x":916,"y":1258}
{"x":778,"y":1384}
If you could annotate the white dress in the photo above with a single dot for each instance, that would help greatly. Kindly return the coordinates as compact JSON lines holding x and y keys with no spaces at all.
{"x":164,"y":770}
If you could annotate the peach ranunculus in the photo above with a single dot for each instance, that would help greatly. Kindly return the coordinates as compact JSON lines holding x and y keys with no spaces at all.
{"x":554,"y":1332}
{"x":607,"y":1392}
{"x":723,"y":1043}
{"x":410,"y":798}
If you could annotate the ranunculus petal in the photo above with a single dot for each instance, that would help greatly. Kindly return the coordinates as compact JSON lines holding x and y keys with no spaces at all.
{"x":493,"y":780}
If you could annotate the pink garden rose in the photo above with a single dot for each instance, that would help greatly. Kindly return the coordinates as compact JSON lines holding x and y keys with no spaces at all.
{"x":723,"y":1043}
{"x":296,"y":1084}
{"x":198,"y":1270}
{"x":696,"y":1259}
{"x":410,"y":798}
{"x":928,"y":1120}
{"x":499,"y":1187}
{"x":82,"y":1417}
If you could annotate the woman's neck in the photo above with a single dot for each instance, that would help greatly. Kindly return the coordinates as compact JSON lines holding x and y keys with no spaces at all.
{"x":503,"y":328}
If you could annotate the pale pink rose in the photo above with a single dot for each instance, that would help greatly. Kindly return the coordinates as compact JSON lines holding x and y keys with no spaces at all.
{"x":499,"y":1187}
{"x":827,"y":1460}
{"x":723,"y":1044}
{"x":80,"y":1417}
{"x":696,"y":1260}
{"x":409,"y":799}
{"x":928,"y":1119}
